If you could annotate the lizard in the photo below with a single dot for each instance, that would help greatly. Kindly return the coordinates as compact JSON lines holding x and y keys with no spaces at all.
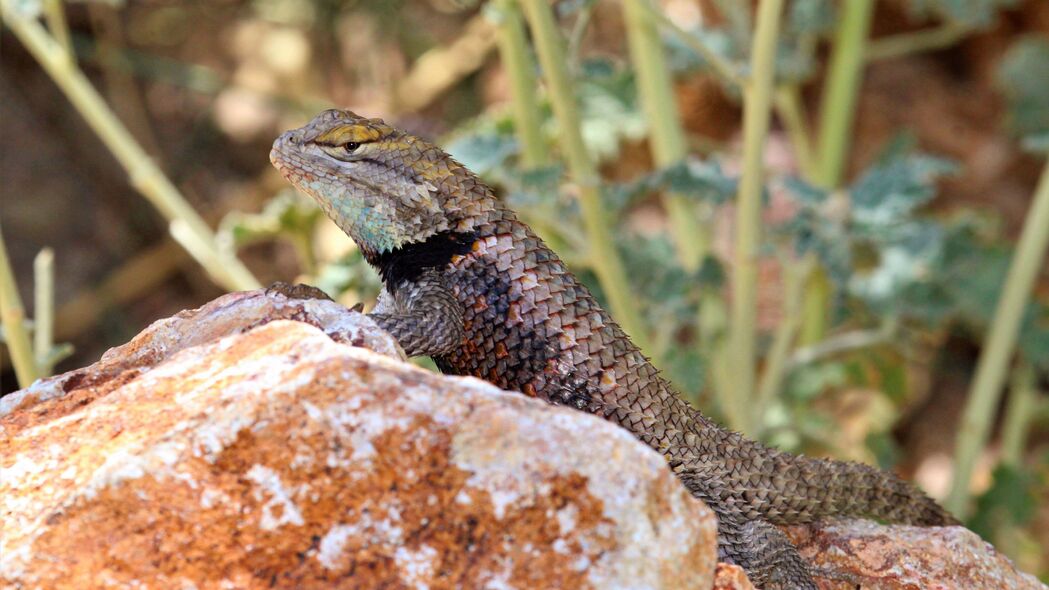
{"x":468,"y":284}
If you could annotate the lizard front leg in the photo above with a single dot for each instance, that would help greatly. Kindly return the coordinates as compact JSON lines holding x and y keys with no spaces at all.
{"x":769,"y":558}
{"x":424,"y":316}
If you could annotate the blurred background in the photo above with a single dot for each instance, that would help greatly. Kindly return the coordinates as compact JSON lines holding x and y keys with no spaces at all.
{"x":856,"y":270}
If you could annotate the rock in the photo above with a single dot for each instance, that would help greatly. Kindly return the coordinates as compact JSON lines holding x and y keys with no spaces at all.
{"x":206,"y":455}
{"x":227,"y":447}
{"x":906,"y":557}
{"x":731,"y":577}
{"x":230,"y":314}
{"x":863,"y":554}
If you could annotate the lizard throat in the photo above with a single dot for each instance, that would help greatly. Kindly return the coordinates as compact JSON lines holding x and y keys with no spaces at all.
{"x":406,"y":263}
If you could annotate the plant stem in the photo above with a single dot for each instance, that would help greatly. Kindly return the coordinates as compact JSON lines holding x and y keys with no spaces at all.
{"x":1019,"y":410}
{"x":145,"y":175}
{"x":915,"y":42}
{"x":55,"y":16}
{"x":792,"y":114}
{"x":840,"y":92}
{"x":999,"y":345}
{"x":776,"y":365}
{"x":12,"y":316}
{"x":721,"y":66}
{"x":513,"y":49}
{"x":837,"y":113}
{"x":757,"y":103}
{"x":43,"y":309}
{"x":842,"y":343}
{"x":603,"y":255}
{"x":667,"y":138}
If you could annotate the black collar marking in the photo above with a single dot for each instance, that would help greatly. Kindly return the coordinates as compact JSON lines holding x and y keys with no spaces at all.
{"x":406,"y":263}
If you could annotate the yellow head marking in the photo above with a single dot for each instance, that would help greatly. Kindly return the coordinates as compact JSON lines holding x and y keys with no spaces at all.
{"x":343,"y":134}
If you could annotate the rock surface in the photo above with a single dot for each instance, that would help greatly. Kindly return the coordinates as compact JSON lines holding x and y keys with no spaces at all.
{"x":230,"y":314}
{"x":278,"y":457}
{"x":906,"y":557}
{"x":227,"y":447}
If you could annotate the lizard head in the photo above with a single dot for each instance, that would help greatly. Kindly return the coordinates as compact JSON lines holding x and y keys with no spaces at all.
{"x":382,"y":186}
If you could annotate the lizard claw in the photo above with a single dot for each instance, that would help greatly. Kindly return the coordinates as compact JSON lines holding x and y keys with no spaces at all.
{"x":298,"y":291}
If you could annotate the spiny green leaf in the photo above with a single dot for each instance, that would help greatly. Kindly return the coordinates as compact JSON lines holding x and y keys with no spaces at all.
{"x":285,"y":214}
{"x":1023,"y":77}
{"x":1009,"y":501}
{"x":693,"y":178}
{"x":349,"y":273}
{"x":972,"y":13}
{"x":893,"y":189}
{"x":608,"y":108}
{"x":483,"y":153}
{"x":810,"y":17}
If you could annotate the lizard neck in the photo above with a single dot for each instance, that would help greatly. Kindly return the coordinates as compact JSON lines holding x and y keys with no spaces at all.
{"x":408,"y":262}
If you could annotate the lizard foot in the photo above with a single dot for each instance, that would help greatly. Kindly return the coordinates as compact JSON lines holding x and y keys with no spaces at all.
{"x":767,"y":555}
{"x":297,"y":291}
{"x":838,"y":576}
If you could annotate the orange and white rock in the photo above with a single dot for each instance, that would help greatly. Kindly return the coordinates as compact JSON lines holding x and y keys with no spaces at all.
{"x":204,"y":456}
{"x":262,"y":442}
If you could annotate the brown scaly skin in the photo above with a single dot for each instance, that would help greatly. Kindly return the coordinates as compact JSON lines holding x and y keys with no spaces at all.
{"x":468,"y":284}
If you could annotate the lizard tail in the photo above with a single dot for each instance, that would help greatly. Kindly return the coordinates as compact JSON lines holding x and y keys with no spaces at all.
{"x":856,"y":489}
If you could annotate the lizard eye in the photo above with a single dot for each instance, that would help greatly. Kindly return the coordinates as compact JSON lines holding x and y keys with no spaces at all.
{"x":351,"y":147}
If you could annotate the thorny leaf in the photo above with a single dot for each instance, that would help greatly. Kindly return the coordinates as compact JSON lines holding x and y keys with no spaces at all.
{"x":810,"y":17}
{"x":1023,"y":76}
{"x":693,"y":178}
{"x":285,"y":214}
{"x":1011,"y":500}
{"x":971,"y":13}
{"x":484,"y":153}
{"x":894,"y":188}
{"x":349,"y":273}
{"x":608,"y":108}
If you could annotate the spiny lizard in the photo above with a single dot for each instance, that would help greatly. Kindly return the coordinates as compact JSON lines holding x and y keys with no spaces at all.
{"x":468,"y":284}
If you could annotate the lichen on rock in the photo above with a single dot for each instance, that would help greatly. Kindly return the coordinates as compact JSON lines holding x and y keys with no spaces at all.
{"x":204,"y":454}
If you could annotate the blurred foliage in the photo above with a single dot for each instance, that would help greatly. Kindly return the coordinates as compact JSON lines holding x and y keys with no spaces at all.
{"x":972,"y":13}
{"x":1023,"y":76}
{"x":1006,"y":514}
{"x":889,"y":260}
{"x":901,"y":275}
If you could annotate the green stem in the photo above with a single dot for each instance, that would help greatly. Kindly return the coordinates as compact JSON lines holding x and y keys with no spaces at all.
{"x":603,"y":255}
{"x":842,"y":343}
{"x":776,"y":365}
{"x":915,"y":42}
{"x":513,"y":48}
{"x":12,"y":316}
{"x":721,"y":66}
{"x":668,"y":140}
{"x":840,"y":93}
{"x":43,"y":309}
{"x":792,"y":115}
{"x":197,"y":238}
{"x":999,"y":345}
{"x":55,"y":16}
{"x":835,"y":133}
{"x":1019,"y":411}
{"x":757,"y":104}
